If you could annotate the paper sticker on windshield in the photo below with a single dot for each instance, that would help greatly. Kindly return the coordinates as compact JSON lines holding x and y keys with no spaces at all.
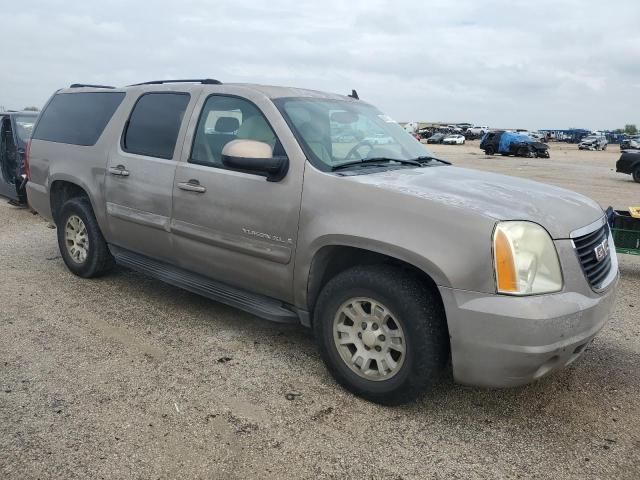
{"x":386,"y":119}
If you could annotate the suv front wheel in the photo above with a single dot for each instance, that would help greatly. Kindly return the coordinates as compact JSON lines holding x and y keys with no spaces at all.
{"x":382,"y":333}
{"x":80,"y":240}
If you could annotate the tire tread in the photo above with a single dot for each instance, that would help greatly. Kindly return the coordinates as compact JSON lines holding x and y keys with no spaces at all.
{"x":424,"y":320}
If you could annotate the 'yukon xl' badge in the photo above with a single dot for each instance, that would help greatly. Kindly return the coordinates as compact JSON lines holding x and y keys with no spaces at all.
{"x":602,"y":250}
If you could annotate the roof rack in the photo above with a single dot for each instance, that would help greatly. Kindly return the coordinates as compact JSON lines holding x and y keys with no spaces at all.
{"x":80,"y":85}
{"x":204,"y":81}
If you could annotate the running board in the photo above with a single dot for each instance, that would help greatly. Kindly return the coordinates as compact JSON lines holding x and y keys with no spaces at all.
{"x":261,"y":306}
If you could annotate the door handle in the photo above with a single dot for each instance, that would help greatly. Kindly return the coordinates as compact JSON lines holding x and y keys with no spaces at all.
{"x":120,"y":171}
{"x":192,"y":185}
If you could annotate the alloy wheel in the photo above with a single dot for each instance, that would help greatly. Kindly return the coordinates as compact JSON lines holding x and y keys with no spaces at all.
{"x":76,"y":239}
{"x":369,"y":339}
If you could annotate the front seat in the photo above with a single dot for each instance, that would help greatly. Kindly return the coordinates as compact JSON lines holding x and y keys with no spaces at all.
{"x":223,"y":133}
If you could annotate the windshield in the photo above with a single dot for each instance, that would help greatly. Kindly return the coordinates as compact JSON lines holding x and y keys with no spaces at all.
{"x":24,"y":127}
{"x":335,"y":132}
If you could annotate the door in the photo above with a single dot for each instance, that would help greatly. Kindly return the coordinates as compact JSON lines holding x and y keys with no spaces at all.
{"x":8,"y":159}
{"x":140,"y":172}
{"x":236,"y":227}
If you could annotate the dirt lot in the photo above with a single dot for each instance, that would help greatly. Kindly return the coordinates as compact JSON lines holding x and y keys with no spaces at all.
{"x":125,"y":377}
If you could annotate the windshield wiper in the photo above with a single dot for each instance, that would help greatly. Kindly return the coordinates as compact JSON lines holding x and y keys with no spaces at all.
{"x":375,"y":160}
{"x":427,"y":158}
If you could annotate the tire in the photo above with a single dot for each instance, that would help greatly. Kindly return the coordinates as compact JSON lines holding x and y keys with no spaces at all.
{"x":490,"y":150}
{"x":636,"y":174}
{"x":414,"y":308}
{"x":97,"y":259}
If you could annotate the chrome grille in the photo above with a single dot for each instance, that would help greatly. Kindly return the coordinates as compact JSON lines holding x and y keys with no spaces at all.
{"x":595,"y":271}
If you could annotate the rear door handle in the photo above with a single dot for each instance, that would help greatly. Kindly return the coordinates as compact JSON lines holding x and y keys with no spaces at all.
{"x":120,"y":171}
{"x":192,"y":185}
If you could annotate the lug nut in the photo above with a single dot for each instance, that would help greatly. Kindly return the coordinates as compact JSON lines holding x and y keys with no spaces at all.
{"x":359,"y":334}
{"x":366,"y":348}
{"x":374,"y":326}
{"x":364,"y":325}
{"x":382,"y":338}
{"x":378,"y":348}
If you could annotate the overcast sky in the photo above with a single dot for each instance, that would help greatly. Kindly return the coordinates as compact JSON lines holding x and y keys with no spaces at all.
{"x":529,"y":64}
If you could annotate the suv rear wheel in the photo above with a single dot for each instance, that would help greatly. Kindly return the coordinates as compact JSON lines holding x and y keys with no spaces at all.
{"x":636,"y":174}
{"x":382,"y":333}
{"x":80,"y":240}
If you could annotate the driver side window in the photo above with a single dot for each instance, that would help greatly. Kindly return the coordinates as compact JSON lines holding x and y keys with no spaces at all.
{"x":224,"y":119}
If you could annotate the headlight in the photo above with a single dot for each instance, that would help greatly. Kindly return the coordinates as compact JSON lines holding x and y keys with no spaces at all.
{"x":526,"y":261}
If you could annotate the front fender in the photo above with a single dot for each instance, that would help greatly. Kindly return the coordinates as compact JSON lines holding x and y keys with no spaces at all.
{"x":305,"y":261}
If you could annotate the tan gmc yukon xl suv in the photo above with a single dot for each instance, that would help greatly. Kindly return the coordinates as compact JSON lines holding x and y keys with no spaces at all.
{"x":274,"y":200}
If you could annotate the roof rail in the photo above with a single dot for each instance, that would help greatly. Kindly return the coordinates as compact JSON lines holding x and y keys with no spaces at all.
{"x":80,"y":85}
{"x":204,"y":81}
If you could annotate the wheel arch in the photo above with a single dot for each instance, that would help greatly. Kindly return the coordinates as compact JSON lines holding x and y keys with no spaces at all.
{"x":62,"y":189}
{"x":331,"y":259}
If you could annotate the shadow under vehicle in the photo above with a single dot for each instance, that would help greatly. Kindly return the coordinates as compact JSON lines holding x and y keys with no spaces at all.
{"x":509,"y":143}
{"x":15,"y":131}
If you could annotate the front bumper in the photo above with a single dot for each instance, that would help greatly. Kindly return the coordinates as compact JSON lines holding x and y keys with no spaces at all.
{"x":504,"y":341}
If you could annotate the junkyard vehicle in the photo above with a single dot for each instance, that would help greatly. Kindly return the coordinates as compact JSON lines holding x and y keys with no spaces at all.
{"x":436,"y":138}
{"x":399,"y":261}
{"x":509,"y":143}
{"x":453,"y":139}
{"x":631,"y":143}
{"x":15,"y":130}
{"x":478,"y":130}
{"x":593,"y":142}
{"x":629,"y":163}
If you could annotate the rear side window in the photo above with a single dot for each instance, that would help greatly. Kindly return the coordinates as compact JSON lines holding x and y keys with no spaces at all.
{"x":154,"y":124}
{"x":77,"y":118}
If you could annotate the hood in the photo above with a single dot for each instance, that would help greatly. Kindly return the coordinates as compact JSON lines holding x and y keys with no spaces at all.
{"x":492,"y":195}
{"x":540,"y":145}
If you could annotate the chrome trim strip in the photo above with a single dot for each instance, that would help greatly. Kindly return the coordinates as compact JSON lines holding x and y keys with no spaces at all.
{"x":592,"y":227}
{"x":239,"y":243}
{"x":140,"y":217}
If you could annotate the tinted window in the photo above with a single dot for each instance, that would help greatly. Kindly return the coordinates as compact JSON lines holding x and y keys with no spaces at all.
{"x":77,"y":118}
{"x":154,"y":124}
{"x":224,"y":119}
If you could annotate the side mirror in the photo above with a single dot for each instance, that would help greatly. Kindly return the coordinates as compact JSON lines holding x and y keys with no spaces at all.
{"x":254,"y":157}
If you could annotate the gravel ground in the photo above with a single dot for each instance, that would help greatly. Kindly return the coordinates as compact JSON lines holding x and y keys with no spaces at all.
{"x":125,"y":377}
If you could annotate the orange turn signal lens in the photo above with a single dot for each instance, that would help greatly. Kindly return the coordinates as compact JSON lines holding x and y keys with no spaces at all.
{"x":506,"y":276}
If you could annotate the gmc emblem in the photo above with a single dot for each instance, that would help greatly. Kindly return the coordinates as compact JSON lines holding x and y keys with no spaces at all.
{"x":602,"y":250}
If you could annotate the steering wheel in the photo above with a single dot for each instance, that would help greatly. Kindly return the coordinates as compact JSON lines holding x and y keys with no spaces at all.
{"x":362,"y":143}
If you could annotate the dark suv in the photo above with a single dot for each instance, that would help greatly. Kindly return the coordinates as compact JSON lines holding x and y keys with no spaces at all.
{"x":509,"y":143}
{"x":15,"y":131}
